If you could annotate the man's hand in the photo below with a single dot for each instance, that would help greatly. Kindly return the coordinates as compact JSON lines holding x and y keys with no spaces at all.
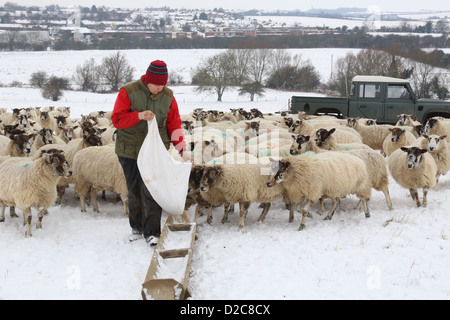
{"x":146,"y":115}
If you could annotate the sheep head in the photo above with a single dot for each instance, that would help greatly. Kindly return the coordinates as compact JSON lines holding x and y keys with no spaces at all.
{"x":277,"y":169}
{"x":414,"y":156}
{"x":396,"y":134}
{"x":195,"y":178}
{"x":299,"y":141}
{"x":58,"y":161}
{"x":210,"y":177}
{"x":322,"y":136}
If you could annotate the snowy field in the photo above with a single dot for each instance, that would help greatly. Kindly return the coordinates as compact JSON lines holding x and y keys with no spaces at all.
{"x":398,"y":254}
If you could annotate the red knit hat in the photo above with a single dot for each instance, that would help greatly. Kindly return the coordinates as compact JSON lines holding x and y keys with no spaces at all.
{"x":157,"y":73}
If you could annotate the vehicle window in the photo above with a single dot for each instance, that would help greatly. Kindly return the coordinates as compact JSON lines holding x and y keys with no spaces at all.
{"x":398,"y":92}
{"x":352,"y":89}
{"x":369,"y":90}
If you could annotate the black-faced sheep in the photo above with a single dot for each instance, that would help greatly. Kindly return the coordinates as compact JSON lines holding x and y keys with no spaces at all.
{"x":313,"y":176}
{"x":26,"y":183}
{"x":413,"y":168}
{"x":17,"y":145}
{"x":325,"y":139}
{"x":238,"y":183}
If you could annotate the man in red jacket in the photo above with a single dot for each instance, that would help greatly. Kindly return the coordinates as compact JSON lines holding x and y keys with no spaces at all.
{"x":136,"y":103}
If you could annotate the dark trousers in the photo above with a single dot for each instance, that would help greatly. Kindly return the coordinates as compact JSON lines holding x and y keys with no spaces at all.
{"x":144,"y":212}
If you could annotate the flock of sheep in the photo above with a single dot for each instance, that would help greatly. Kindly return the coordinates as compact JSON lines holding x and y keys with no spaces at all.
{"x":243,"y":157}
{"x":239,"y":157}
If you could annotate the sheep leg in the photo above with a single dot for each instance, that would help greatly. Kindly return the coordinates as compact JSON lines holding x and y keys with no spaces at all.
{"x":226,"y":210}
{"x":61,"y":190}
{"x":12,"y":212}
{"x":334,"y":204}
{"x":243,"y":206}
{"x":27,"y":221}
{"x":2,"y":213}
{"x":388,"y":199}
{"x":266,"y":207}
{"x":321,"y":206}
{"x":366,"y":208}
{"x":304,"y":214}
{"x":40,"y":217}
{"x":94,"y":200}
{"x":82,"y":203}
{"x":209,"y":218}
{"x":415,"y":196}
{"x":124,"y":198}
{"x":424,"y":200}
{"x":291,"y":212}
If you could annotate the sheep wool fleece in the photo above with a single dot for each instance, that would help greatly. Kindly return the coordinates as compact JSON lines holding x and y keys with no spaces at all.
{"x":129,"y":141}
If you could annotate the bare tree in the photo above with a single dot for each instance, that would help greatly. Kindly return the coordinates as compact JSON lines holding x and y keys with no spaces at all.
{"x":421,"y":79}
{"x":259,"y":64}
{"x":214,"y":75}
{"x":87,"y":76}
{"x":115,"y":71}
{"x":239,"y":60}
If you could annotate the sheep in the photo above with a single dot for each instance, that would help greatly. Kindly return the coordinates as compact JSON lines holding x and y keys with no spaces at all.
{"x":17,"y":145}
{"x":98,"y":168}
{"x":413,"y":168}
{"x":326,"y":140}
{"x":67,"y":133}
{"x":270,"y":147}
{"x":398,"y":138}
{"x":90,"y":138}
{"x":372,"y":135}
{"x":343,"y":134}
{"x":375,"y":164}
{"x":239,"y":183}
{"x":313,"y":176}
{"x":43,"y":137}
{"x":439,"y":150}
{"x":406,"y":120}
{"x":193,"y":193}
{"x":47,"y":121}
{"x":26,"y":183}
{"x":440,"y":127}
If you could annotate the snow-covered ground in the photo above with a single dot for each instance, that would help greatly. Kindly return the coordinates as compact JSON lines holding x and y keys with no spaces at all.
{"x":399,"y":254}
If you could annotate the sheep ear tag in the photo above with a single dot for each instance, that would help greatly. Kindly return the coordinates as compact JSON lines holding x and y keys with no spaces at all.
{"x":165,"y":178}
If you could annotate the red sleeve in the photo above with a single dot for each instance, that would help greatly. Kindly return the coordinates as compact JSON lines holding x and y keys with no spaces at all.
{"x":173,"y":126}
{"x":122,"y":117}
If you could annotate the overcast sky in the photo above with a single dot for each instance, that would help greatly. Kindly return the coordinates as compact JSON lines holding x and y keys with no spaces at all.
{"x":383,"y":5}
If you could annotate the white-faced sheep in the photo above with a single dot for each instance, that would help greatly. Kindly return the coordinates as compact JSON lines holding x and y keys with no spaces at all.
{"x":26,"y":183}
{"x":439,"y":150}
{"x":398,"y":138}
{"x":375,"y":163}
{"x":95,"y":169}
{"x":239,"y":183}
{"x":313,"y":176}
{"x":440,"y":127}
{"x":372,"y":135}
{"x":413,"y":168}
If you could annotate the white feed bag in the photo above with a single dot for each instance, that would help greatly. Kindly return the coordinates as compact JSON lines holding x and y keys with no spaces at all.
{"x":165,"y":178}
